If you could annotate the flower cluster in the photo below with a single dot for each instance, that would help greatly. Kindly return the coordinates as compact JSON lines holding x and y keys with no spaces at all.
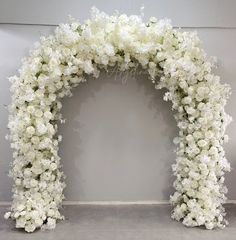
{"x":174,"y":60}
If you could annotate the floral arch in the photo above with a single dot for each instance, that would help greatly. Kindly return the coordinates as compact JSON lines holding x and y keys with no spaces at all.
{"x":174,"y":60}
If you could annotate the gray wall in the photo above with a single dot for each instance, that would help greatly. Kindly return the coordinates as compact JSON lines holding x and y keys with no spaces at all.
{"x":118,"y":135}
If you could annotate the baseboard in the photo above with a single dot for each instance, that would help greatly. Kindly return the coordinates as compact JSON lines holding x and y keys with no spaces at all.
{"x":68,"y":203}
{"x":231,"y":201}
{"x":114,"y":202}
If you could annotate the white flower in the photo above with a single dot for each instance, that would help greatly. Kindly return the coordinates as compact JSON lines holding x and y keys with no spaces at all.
{"x":27,"y":172}
{"x":187,"y":100}
{"x":209,"y":225}
{"x":33,"y":183}
{"x":53,"y":166}
{"x":30,"y":109}
{"x":88,"y":67}
{"x":48,"y":115}
{"x":30,"y":130}
{"x":41,"y":128}
{"x":20,"y":207}
{"x":7,"y":215}
{"x":38,"y":113}
{"x":190,"y":110}
{"x":109,"y":49}
{"x":189,"y":138}
{"x":202,"y":143}
{"x":205,"y":159}
{"x":191,"y":203}
{"x":51,"y":223}
{"x":202,"y":91}
{"x":30,"y":227}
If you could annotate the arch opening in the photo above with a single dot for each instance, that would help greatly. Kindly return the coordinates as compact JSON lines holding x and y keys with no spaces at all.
{"x":122,"y":140}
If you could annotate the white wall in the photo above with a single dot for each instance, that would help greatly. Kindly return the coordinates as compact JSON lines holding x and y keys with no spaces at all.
{"x":117,"y":141}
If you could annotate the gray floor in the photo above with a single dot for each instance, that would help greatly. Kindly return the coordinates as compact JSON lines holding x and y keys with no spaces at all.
{"x":140,"y":222}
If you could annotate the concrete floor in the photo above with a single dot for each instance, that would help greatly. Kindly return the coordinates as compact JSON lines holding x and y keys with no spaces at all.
{"x":131,"y":222}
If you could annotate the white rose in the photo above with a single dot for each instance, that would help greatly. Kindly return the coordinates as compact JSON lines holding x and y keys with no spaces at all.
{"x":51,"y":223}
{"x":37,"y":169}
{"x":88,"y":67}
{"x":187,"y":100}
{"x":29,"y":227}
{"x":109,"y":50}
{"x":35,"y":140}
{"x":213,"y":150}
{"x":38,"y":113}
{"x":48,"y":115}
{"x":41,"y":128}
{"x":200,"y":220}
{"x":209,"y":225}
{"x":20,"y":207}
{"x":191,"y":203}
{"x":209,"y":134}
{"x":18,"y":182}
{"x":51,"y":212}
{"x":204,"y":159}
{"x":190,"y":110}
{"x":183,"y":84}
{"x":53,"y":166}
{"x":27,"y":172}
{"x":46,"y":163}
{"x":34,"y":214}
{"x":33,"y":183}
{"x":197,"y":134}
{"x":7,"y":215}
{"x":202,"y":143}
{"x":189,"y":138}
{"x":20,"y":222}
{"x":30,"y":130}
{"x":30,"y":109}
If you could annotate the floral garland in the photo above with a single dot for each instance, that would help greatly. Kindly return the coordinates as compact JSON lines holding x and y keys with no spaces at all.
{"x":174,"y":60}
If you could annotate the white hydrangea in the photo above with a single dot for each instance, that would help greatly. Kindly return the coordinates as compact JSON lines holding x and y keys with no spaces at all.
{"x":174,"y":60}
